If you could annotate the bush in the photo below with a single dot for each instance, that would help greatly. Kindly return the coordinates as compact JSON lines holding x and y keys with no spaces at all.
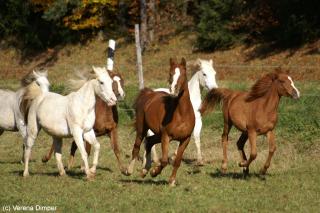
{"x":213,"y":27}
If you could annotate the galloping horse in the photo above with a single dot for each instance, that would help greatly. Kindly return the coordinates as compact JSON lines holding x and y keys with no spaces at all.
{"x":11,"y":116}
{"x":253,"y":113}
{"x":105,"y":124}
{"x":170,"y":117}
{"x":204,"y":76}
{"x":68,"y":116}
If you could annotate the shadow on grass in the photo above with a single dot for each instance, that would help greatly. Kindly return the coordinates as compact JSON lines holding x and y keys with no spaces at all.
{"x":16,"y":162}
{"x":146,"y":182}
{"x":237,"y":176}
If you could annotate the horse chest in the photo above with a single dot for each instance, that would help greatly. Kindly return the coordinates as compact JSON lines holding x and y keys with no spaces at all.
{"x":183,"y":126}
{"x":265,"y":123}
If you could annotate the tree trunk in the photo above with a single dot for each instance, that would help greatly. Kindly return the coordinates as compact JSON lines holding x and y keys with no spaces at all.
{"x":151,"y":20}
{"x":143,"y":25}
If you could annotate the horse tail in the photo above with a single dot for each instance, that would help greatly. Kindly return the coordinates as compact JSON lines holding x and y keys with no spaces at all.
{"x":213,"y":97}
{"x":32,"y":91}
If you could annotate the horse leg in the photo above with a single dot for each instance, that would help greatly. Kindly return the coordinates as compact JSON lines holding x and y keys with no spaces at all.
{"x":155,"y":157}
{"x":240,"y":144}
{"x":77,"y":135}
{"x":225,"y":138}
{"x":253,"y":150}
{"x":272,"y":149}
{"x":196,"y":134}
{"x":1,"y":131}
{"x":47,"y":157}
{"x":88,"y":150}
{"x":164,"y":160}
{"x":90,"y":137}
{"x":114,"y":144}
{"x":73,"y":150}
{"x":182,"y":146}
{"x":57,"y":142}
{"x":32,"y":132}
{"x":149,"y":145}
{"x":135,"y":153}
{"x":23,"y":131}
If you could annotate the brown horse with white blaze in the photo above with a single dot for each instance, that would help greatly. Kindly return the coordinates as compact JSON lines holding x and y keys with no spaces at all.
{"x":253,"y":113}
{"x":106,"y":123}
{"x":170,"y":117}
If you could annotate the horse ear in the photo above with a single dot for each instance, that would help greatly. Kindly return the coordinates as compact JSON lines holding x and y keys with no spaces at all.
{"x":183,"y":62}
{"x":172,"y":62}
{"x":211,"y":62}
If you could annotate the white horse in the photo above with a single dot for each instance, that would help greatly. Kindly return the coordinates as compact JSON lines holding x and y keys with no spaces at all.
{"x":69,"y":116}
{"x":11,"y":117}
{"x":204,"y":77}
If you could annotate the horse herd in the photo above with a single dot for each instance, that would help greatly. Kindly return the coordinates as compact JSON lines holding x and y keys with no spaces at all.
{"x":161,"y":115}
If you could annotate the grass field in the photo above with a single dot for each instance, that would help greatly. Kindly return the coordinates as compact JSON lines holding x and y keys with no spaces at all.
{"x":291,"y":185}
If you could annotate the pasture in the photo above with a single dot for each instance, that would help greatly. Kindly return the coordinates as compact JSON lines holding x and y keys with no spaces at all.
{"x":292,"y":183}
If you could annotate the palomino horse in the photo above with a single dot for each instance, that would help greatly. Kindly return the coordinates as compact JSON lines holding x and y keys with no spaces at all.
{"x":68,"y":116}
{"x":253,"y":113}
{"x":204,"y":76}
{"x":105,"y":124}
{"x":170,"y":117}
{"x":11,"y":116}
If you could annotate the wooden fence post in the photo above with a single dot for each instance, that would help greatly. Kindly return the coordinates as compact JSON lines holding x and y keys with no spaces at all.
{"x":139,"y":58}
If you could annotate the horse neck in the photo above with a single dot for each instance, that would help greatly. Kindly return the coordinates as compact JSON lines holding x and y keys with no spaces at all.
{"x":86,"y":95}
{"x":194,"y":86}
{"x":184,"y":103}
{"x":271,"y":100}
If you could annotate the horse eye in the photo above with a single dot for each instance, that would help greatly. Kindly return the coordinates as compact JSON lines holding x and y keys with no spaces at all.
{"x":101,"y":82}
{"x":204,"y":74}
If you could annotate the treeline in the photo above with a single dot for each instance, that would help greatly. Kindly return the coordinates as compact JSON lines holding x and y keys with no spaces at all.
{"x":39,"y":24}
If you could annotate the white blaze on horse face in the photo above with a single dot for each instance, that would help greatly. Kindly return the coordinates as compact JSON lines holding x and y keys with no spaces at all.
{"x":105,"y":91}
{"x":120,"y":89}
{"x":292,"y":84}
{"x":175,"y":80}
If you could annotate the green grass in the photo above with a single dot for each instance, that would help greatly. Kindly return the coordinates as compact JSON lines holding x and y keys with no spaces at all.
{"x":291,"y":185}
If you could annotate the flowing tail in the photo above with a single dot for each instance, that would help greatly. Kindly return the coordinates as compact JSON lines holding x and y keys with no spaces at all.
{"x":32,"y":91}
{"x":213,"y":97}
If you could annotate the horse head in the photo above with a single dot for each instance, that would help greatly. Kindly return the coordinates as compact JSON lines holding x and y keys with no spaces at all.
{"x":207,"y":74}
{"x":177,"y":76}
{"x":117,"y":84}
{"x":286,"y":86}
{"x":103,"y":85}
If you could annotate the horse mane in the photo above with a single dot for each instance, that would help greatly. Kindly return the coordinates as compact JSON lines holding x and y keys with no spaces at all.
{"x":32,"y":91}
{"x":82,"y":78}
{"x":262,"y":86}
{"x":30,"y":77}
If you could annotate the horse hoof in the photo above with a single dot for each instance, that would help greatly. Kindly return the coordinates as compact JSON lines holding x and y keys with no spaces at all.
{"x":153,"y":173}
{"x":44,"y":159}
{"x":246,"y":171}
{"x":143,"y":173}
{"x":242,"y":164}
{"x":26,"y":174}
{"x":90,"y":176}
{"x":200,"y":162}
{"x":263,"y":171}
{"x":172,"y":183}
{"x":62,"y":173}
{"x":126,"y":172}
{"x":93,"y":171}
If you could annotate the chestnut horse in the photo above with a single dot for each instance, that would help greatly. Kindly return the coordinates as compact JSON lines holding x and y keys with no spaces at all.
{"x":170,"y":117}
{"x":105,"y":124}
{"x":253,"y":113}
